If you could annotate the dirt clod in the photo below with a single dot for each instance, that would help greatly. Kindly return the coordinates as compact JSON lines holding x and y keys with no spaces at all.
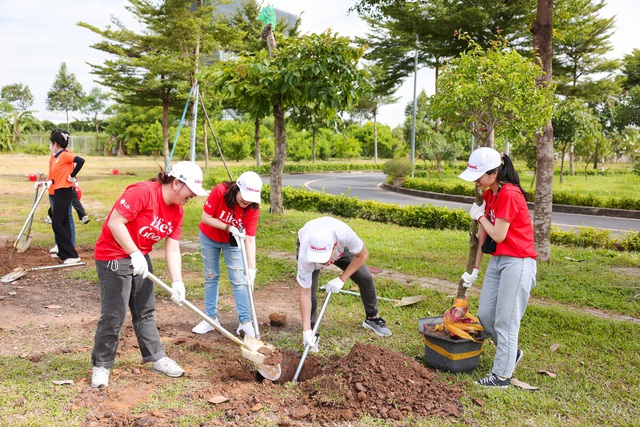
{"x":278,"y":320}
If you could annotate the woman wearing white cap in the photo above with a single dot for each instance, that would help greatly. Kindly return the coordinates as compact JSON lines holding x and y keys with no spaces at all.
{"x":505,"y":232}
{"x":146,"y":213}
{"x":232,"y":208}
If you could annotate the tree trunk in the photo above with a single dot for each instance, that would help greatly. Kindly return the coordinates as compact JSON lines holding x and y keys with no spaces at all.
{"x":277,"y":165}
{"x":313,"y":144}
{"x":542,"y":30}
{"x":562,"y":165}
{"x":165,"y":131}
{"x":256,"y":137}
{"x":572,"y":164}
{"x":375,"y":138}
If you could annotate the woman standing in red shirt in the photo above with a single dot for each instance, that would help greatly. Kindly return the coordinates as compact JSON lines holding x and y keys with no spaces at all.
{"x":145,"y":214}
{"x":505,"y":231}
{"x":232,"y":208}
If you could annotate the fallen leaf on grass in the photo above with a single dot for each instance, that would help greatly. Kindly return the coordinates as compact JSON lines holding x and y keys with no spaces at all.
{"x":218,"y":399}
{"x":522,"y":385}
{"x":554,"y":347}
{"x":62,"y":382}
{"x":256,"y":407}
{"x":53,"y":306}
{"x":548,"y":373}
{"x":573,"y":259}
{"x":478,"y":402}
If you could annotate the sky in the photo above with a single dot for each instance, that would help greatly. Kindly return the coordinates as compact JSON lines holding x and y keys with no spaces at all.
{"x":37,"y":36}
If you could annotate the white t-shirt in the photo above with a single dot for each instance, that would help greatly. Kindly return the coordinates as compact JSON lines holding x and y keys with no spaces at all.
{"x":343,"y":235}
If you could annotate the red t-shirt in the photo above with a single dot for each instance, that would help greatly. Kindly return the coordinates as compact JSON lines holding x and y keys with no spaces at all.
{"x":239,"y":217}
{"x":150,"y":221}
{"x":510,"y":205}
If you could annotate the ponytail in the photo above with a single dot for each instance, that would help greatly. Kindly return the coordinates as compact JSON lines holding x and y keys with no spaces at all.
{"x":507,"y":174}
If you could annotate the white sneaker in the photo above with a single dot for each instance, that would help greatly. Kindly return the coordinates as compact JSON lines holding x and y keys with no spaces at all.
{"x":203,"y":327}
{"x":54,"y":250}
{"x":47,"y":220}
{"x":72,"y":260}
{"x":85,"y":220}
{"x":100,"y":377}
{"x":246,"y":328}
{"x":168,"y":367}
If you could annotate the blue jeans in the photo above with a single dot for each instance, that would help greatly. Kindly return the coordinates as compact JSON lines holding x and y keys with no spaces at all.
{"x":503,"y":301}
{"x":211,"y":261}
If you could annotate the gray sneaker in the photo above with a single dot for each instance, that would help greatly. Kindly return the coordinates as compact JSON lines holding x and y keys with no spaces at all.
{"x":377,"y":325}
{"x":168,"y":367}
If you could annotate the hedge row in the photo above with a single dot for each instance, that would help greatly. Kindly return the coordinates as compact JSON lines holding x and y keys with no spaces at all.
{"x":431,"y":217}
{"x":559,"y":198}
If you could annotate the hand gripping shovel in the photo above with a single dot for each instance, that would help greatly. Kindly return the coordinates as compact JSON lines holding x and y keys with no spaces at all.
{"x":23,"y":240}
{"x":315,"y":330}
{"x":252,"y":304}
{"x":250,"y":346}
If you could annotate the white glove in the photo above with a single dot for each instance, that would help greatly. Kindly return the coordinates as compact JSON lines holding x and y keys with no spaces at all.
{"x":237,"y":232}
{"x":469,"y":279}
{"x":178,"y":292}
{"x":334,"y":285}
{"x":71,"y":179}
{"x":45,"y":184}
{"x":139,"y":264}
{"x":251,"y":277}
{"x":477,"y":211}
{"x":311,"y":340}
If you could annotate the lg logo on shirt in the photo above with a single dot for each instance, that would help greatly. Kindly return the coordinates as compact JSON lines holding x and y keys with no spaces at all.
{"x":125,"y":204}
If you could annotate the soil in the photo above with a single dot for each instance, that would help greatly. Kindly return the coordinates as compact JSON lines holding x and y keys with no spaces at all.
{"x":55,"y":311}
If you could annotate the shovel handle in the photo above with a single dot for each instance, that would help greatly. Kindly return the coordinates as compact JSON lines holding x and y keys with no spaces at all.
{"x":199,"y":312}
{"x":29,"y":218}
{"x":252,"y":304}
{"x":314,"y":332}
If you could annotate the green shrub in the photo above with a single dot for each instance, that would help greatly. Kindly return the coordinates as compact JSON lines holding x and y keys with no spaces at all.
{"x":397,"y":168}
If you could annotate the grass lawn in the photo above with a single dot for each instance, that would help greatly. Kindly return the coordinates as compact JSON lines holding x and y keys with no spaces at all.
{"x":596,"y":359}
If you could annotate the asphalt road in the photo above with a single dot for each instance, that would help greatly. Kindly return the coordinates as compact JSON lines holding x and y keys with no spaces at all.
{"x":366,"y":186}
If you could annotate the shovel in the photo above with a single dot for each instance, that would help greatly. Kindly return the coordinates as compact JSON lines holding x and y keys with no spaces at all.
{"x":396,"y":302}
{"x":250,"y":346}
{"x":23,"y":240}
{"x":252,"y":304}
{"x":19,"y":271}
{"x":315,"y":330}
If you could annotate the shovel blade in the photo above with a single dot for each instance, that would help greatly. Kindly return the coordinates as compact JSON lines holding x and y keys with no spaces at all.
{"x":270,"y":372}
{"x":23,"y":243}
{"x":409,"y":300}
{"x":14,"y":275}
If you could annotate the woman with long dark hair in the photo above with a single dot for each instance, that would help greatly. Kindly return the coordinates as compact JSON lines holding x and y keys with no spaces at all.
{"x":232,"y":209}
{"x":505,"y":231}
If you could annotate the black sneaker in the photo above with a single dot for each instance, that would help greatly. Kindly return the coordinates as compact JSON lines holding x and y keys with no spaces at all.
{"x":492,"y":380}
{"x":377,"y":325}
{"x":519,"y":356}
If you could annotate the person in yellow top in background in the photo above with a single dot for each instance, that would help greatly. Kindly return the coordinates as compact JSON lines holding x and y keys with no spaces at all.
{"x":63,"y":167}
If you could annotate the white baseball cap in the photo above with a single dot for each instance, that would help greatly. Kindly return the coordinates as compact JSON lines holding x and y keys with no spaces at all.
{"x":191,"y":175}
{"x":321,"y":243}
{"x":481,"y":160}
{"x":250,"y":185}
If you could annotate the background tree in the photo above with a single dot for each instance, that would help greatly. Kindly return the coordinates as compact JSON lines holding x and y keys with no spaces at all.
{"x":19,"y":96}
{"x":574,"y":124}
{"x":631,"y":69}
{"x":377,"y":96}
{"x":492,"y":90}
{"x":66,"y":94}
{"x":157,"y":66}
{"x":95,"y":104}
{"x":581,"y":43}
{"x":318,"y":68}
